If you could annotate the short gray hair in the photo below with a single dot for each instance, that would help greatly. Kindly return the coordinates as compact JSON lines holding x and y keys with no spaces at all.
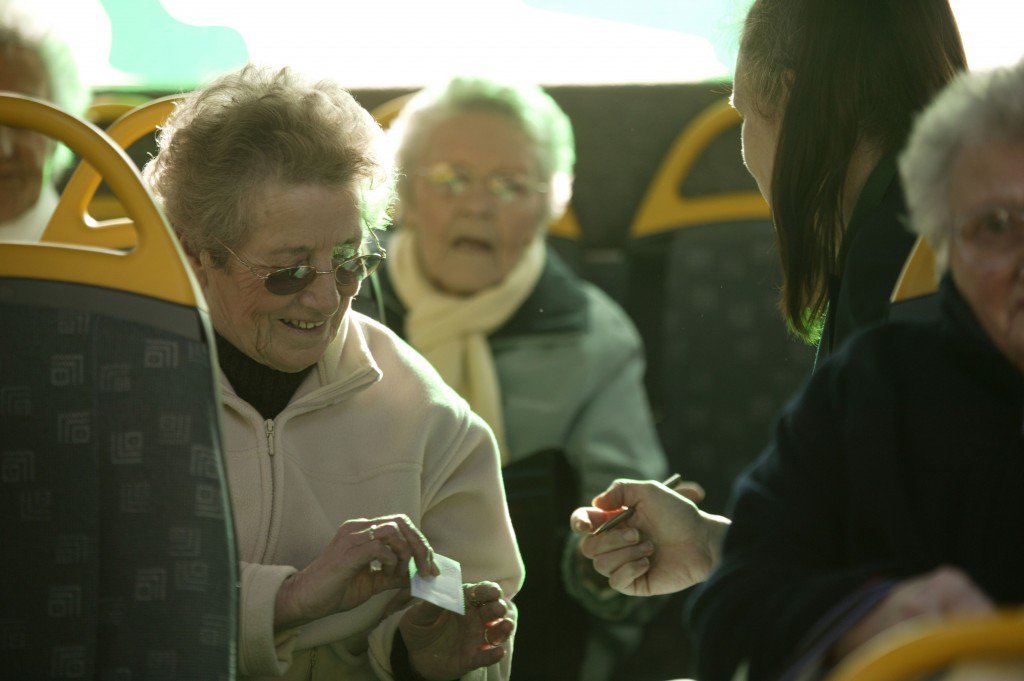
{"x":225,"y":142}
{"x":529,"y":106}
{"x":64,"y":86}
{"x":976,"y":108}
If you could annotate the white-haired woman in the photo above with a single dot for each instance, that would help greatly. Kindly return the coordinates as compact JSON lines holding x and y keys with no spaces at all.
{"x":34,"y":61}
{"x":347,"y":456}
{"x":891,"y":489}
{"x":550,"y":362}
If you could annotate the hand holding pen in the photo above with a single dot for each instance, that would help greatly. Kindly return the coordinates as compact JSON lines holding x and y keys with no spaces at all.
{"x":667,"y":545}
{"x":627,"y":513}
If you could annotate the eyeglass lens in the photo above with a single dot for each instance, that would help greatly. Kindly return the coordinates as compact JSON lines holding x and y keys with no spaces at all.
{"x":291,"y":280}
{"x":453,"y":181}
{"x":995,"y":231}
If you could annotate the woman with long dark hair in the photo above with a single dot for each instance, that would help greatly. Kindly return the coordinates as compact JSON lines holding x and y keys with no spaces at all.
{"x":827,"y":91}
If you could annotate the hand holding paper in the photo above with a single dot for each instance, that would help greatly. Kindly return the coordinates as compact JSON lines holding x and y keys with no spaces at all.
{"x":455,"y":627}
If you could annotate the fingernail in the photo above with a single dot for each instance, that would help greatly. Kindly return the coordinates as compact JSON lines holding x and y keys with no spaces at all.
{"x":631,"y":535}
{"x":647,"y":547}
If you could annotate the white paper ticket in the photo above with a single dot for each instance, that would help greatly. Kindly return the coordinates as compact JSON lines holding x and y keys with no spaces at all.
{"x":445,"y":590}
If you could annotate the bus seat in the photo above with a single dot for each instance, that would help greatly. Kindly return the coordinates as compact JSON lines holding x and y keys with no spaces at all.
{"x":918,"y":649}
{"x":665,"y":208}
{"x":73,"y":221}
{"x":107,"y":107}
{"x":703,"y":281}
{"x":117,"y":535}
{"x":915,"y":295}
{"x":386,"y":112}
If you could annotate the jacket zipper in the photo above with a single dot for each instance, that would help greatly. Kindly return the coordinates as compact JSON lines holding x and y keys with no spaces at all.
{"x":269,"y":424}
{"x":313,"y":654}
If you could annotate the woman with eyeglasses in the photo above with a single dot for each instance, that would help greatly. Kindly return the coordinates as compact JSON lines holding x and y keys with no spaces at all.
{"x":347,"y":457}
{"x":550,"y":362}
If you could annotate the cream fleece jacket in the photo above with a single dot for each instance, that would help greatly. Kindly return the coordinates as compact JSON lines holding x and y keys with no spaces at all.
{"x":371,"y":431}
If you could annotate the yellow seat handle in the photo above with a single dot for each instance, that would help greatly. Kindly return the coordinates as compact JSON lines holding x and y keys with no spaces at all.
{"x":145,"y":269}
{"x":71,"y":222}
{"x":919,"y":276}
{"x":664,"y":209}
{"x":915,"y":649}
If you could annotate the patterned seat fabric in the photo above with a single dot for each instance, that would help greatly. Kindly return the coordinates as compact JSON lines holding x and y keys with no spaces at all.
{"x":116,"y":530}
{"x":721,"y":362}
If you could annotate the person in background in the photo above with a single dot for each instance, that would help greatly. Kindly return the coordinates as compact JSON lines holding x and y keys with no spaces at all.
{"x":889,"y":491}
{"x":347,"y":456}
{"x":827,"y":92}
{"x":34,"y":62}
{"x":550,"y":362}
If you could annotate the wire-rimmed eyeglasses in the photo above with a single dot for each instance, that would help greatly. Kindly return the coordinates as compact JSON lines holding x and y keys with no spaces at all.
{"x":450,"y":181}
{"x":347,"y":272}
{"x":993,"y":233}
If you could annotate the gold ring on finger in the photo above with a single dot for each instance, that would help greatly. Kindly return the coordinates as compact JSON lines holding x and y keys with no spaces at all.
{"x":486,"y":639}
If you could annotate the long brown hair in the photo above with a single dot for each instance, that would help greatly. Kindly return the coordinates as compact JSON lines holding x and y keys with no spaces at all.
{"x":840,"y":73}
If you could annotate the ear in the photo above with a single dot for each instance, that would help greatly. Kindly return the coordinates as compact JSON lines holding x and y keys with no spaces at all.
{"x":198,"y":261}
{"x":400,"y":214}
{"x":788,"y":78}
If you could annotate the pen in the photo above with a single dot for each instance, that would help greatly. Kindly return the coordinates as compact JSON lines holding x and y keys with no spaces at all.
{"x":630,"y":510}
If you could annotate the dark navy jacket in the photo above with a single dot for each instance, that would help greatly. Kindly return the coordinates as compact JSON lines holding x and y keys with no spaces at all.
{"x":875,"y":246}
{"x":903,"y":452}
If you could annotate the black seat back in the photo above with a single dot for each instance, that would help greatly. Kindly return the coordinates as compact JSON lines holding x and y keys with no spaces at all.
{"x":116,"y":528}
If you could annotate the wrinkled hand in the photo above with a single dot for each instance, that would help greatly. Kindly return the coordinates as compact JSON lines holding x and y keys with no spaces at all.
{"x":941,"y":592}
{"x":365,"y":557}
{"x":443,"y":645}
{"x":668,"y":545}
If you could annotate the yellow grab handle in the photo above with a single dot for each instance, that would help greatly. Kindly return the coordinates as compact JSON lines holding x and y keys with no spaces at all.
{"x":146,"y":269}
{"x":71,"y":222}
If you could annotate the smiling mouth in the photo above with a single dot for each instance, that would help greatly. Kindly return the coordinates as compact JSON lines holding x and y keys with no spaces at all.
{"x":301,"y":325}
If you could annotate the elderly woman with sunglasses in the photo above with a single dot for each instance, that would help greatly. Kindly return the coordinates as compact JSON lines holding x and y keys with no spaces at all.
{"x":550,"y":362}
{"x":892,"y":488}
{"x":347,"y":456}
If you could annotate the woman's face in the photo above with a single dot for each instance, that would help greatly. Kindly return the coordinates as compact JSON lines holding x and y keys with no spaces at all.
{"x":292,"y":225}
{"x":476,"y":201}
{"x":987,"y":258}
{"x":759,"y":135}
{"x":22,"y":153}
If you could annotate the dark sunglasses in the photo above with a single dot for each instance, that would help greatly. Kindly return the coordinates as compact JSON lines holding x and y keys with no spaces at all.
{"x":288,"y":280}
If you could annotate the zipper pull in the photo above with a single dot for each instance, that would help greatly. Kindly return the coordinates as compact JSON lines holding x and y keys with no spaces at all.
{"x":270,"y":436}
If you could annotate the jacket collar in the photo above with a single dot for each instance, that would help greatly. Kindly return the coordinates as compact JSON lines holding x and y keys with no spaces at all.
{"x":961,"y":325}
{"x":557,"y":304}
{"x":346,"y":367}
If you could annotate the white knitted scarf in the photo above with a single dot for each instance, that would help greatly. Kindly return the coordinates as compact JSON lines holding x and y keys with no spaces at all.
{"x":451,"y":331}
